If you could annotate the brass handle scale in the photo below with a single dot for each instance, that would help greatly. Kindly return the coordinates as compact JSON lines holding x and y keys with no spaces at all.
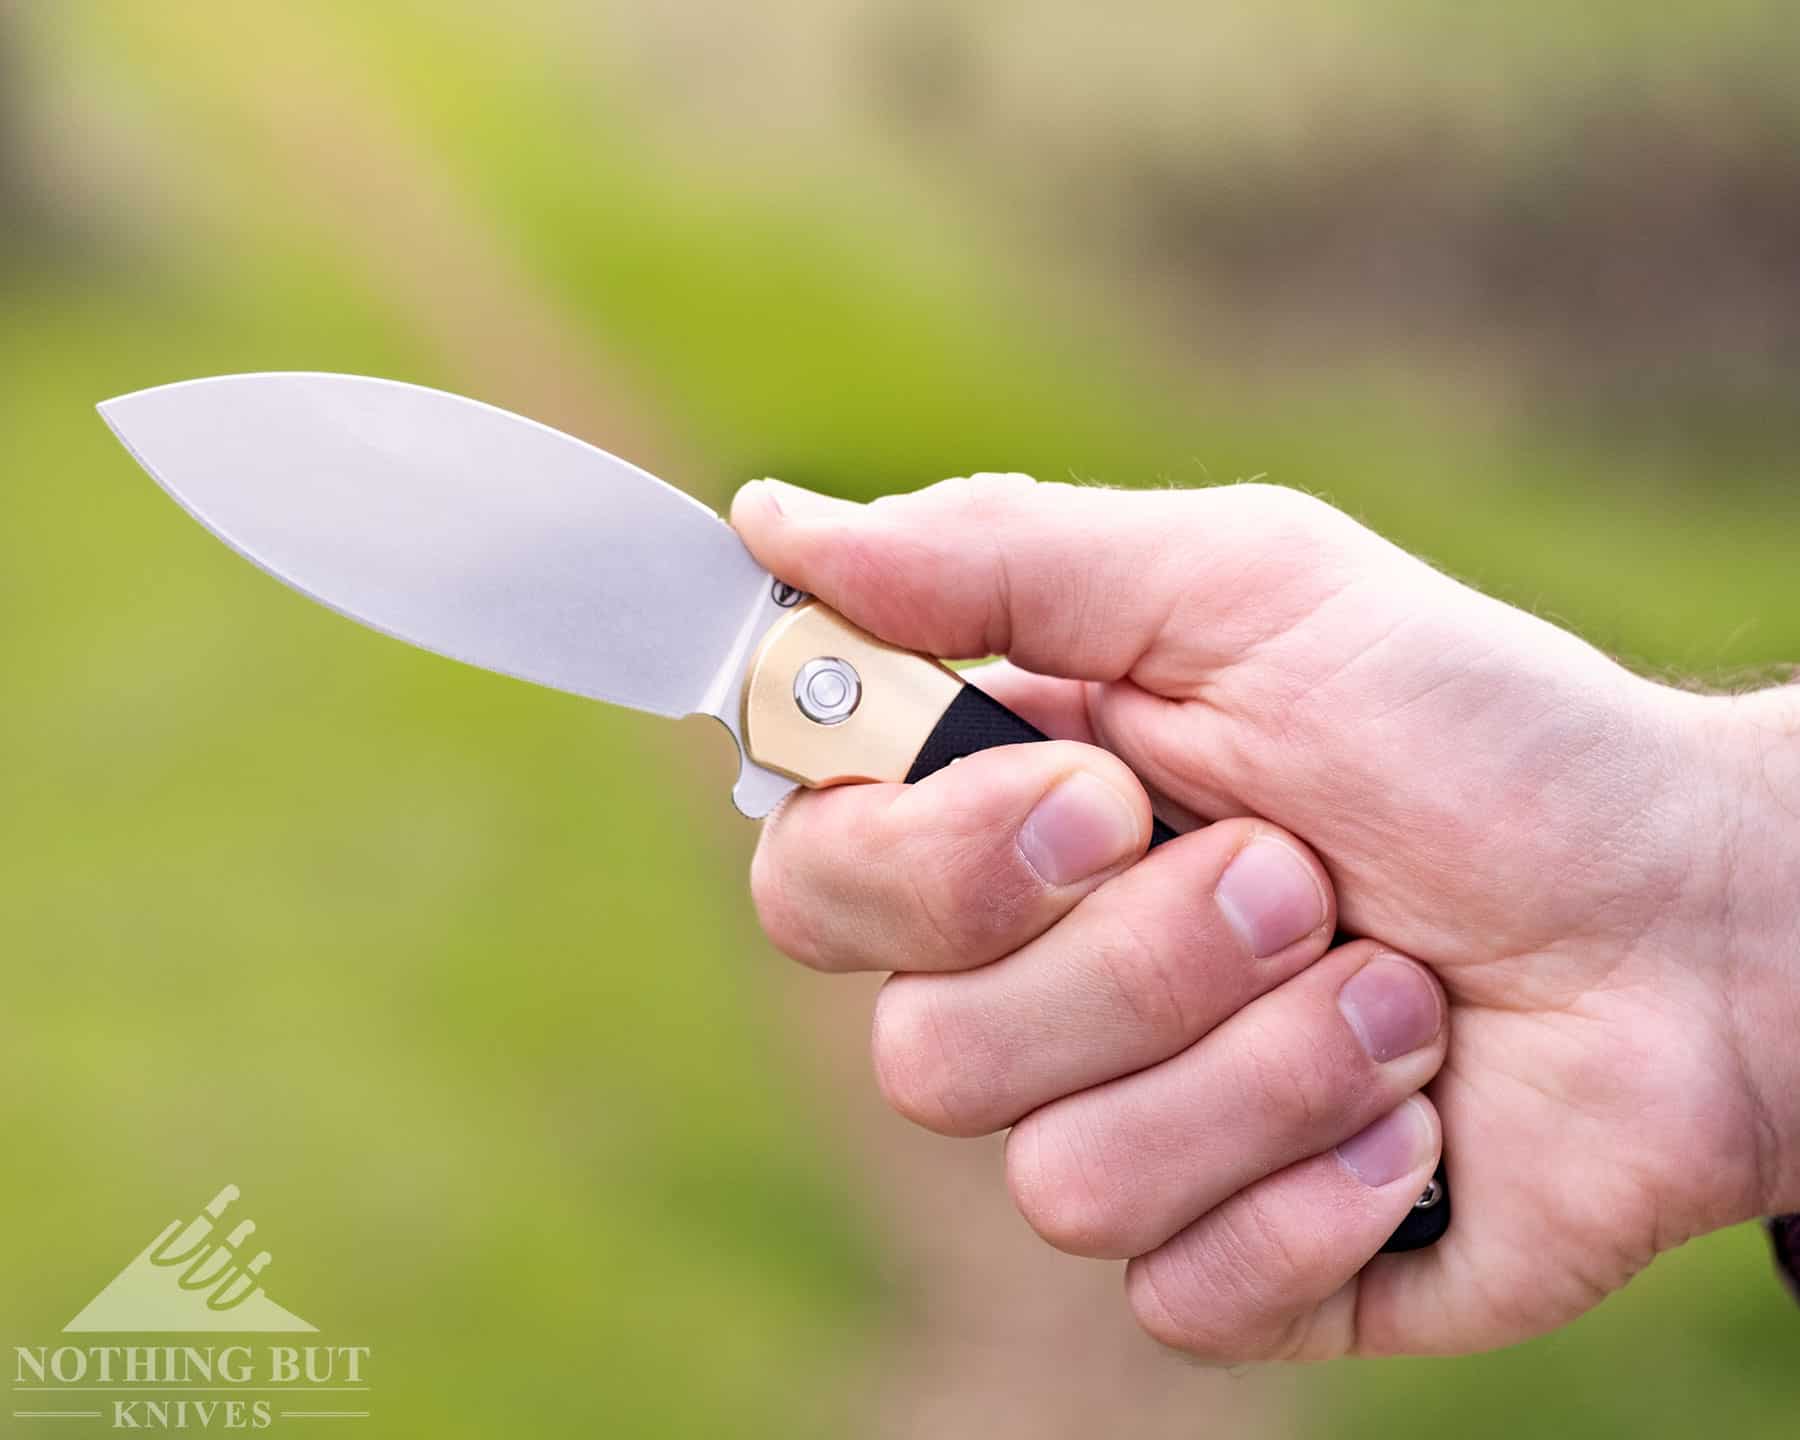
{"x":902,"y":697}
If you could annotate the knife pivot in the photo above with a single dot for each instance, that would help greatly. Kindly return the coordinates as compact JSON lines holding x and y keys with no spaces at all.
{"x":826,"y":703}
{"x":827,"y":690}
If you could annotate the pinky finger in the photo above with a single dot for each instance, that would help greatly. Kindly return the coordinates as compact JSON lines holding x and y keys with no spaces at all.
{"x":1271,"y":1274}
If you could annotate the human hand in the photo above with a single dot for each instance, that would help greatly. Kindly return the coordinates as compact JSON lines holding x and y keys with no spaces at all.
{"x":1588,"y":861}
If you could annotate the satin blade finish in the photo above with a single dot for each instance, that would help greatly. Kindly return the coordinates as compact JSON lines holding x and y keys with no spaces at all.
{"x":467,"y":530}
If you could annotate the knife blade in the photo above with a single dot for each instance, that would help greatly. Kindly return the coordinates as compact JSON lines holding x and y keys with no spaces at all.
{"x":495,"y":540}
{"x":468,"y":531}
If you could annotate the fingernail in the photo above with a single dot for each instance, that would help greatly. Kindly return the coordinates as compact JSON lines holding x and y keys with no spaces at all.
{"x":1270,"y":897}
{"x":1392,"y":1007}
{"x":793,"y":501}
{"x":1077,"y":830}
{"x":1395,"y":1145}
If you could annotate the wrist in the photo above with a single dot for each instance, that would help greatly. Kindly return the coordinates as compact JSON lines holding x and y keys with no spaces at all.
{"x":1755,"y":744}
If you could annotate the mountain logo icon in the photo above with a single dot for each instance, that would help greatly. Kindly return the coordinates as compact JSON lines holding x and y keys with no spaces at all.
{"x":193,"y":1277}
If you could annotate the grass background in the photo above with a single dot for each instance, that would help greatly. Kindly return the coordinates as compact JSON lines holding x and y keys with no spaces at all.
{"x":455,"y":977}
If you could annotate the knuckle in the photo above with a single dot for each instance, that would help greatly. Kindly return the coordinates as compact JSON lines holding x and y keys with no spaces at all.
{"x":1278,"y":504}
{"x":1287,"y":517}
{"x":917,"y":1062}
{"x":983,"y":487}
{"x":1226,"y":1295}
{"x":1256,"y":1259}
{"x":1287,"y":1083}
{"x":1159,"y":983}
{"x":964,"y":885}
{"x":1062,"y":1192}
{"x":1145,"y":1288}
{"x":1170,"y":1305}
{"x":938,"y":926}
{"x":981,"y":498}
{"x":782,"y":917}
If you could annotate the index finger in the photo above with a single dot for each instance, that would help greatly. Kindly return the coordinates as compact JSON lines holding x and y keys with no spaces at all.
{"x":953,"y":871}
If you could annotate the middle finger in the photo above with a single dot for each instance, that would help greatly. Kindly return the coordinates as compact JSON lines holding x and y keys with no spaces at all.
{"x":1138,"y":971}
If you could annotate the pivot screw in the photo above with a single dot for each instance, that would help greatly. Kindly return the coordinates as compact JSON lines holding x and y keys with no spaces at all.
{"x":827,"y":690}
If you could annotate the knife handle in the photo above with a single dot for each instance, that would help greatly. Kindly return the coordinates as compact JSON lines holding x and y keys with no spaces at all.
{"x":976,"y":721}
{"x":826,"y":703}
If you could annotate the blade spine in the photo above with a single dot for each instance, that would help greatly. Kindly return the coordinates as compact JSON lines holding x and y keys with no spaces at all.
{"x":389,"y":382}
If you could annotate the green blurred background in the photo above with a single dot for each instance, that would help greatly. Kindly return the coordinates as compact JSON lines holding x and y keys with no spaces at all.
{"x":456,"y":977}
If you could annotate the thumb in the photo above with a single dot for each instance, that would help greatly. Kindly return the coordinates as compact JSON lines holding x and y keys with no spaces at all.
{"x":1066,"y":580}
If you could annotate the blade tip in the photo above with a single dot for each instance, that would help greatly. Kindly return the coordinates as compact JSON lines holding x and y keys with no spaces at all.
{"x":111,"y":412}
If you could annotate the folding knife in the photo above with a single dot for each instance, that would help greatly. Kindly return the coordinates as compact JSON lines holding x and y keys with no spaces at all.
{"x":497,"y":541}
